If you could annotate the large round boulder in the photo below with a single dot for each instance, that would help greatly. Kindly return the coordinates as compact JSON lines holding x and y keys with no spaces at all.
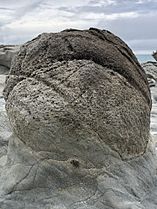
{"x":79,"y":105}
{"x":75,"y":92}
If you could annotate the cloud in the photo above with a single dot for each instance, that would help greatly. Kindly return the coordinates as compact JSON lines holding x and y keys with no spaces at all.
{"x":134,"y":21}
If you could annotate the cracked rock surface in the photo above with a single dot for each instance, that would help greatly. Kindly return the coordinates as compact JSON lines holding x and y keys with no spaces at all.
{"x":79,"y":106}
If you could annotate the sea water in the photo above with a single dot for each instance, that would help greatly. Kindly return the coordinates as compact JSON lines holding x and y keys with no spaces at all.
{"x":145,"y":58}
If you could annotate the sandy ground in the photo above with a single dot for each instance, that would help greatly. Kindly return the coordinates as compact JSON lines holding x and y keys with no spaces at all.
{"x":2,"y":81}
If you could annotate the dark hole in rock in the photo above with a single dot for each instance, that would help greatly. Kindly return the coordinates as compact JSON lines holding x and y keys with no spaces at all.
{"x":75,"y":163}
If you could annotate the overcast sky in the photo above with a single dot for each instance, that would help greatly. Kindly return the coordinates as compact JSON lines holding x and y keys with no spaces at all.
{"x":133,"y":20}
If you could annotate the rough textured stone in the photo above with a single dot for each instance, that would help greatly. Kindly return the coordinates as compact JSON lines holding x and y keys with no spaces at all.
{"x":2,"y":82}
{"x":151,"y":70}
{"x":155,"y":55}
{"x":100,"y":46}
{"x":7,"y":53}
{"x":79,"y":105}
{"x":4,"y":70}
{"x":79,"y":83}
{"x":5,"y":132}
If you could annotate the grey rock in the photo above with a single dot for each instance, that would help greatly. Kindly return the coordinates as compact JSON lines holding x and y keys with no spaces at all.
{"x":79,"y":104}
{"x":35,"y":180}
{"x":2,"y":84}
{"x":4,"y":70}
{"x":5,"y":132}
{"x":7,"y":53}
{"x":65,"y":71}
{"x":155,"y":55}
{"x":151,"y":70}
{"x":100,"y":46}
{"x":76,"y":99}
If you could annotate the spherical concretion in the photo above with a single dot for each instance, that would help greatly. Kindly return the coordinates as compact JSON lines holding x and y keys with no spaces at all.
{"x":75,"y":93}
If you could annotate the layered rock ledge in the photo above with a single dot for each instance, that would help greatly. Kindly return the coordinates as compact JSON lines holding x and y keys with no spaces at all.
{"x":151,"y":71}
{"x":7,"y":53}
{"x":79,"y":104}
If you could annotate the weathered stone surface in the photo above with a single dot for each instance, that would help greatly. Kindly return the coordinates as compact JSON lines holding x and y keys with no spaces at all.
{"x":4,"y":70}
{"x":5,"y":132}
{"x":79,"y":105}
{"x":93,"y":89}
{"x":155,"y":55}
{"x":79,"y":100}
{"x":2,"y":82}
{"x":151,"y":71}
{"x":7,"y":53}
{"x":100,"y":46}
{"x":35,"y":180}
